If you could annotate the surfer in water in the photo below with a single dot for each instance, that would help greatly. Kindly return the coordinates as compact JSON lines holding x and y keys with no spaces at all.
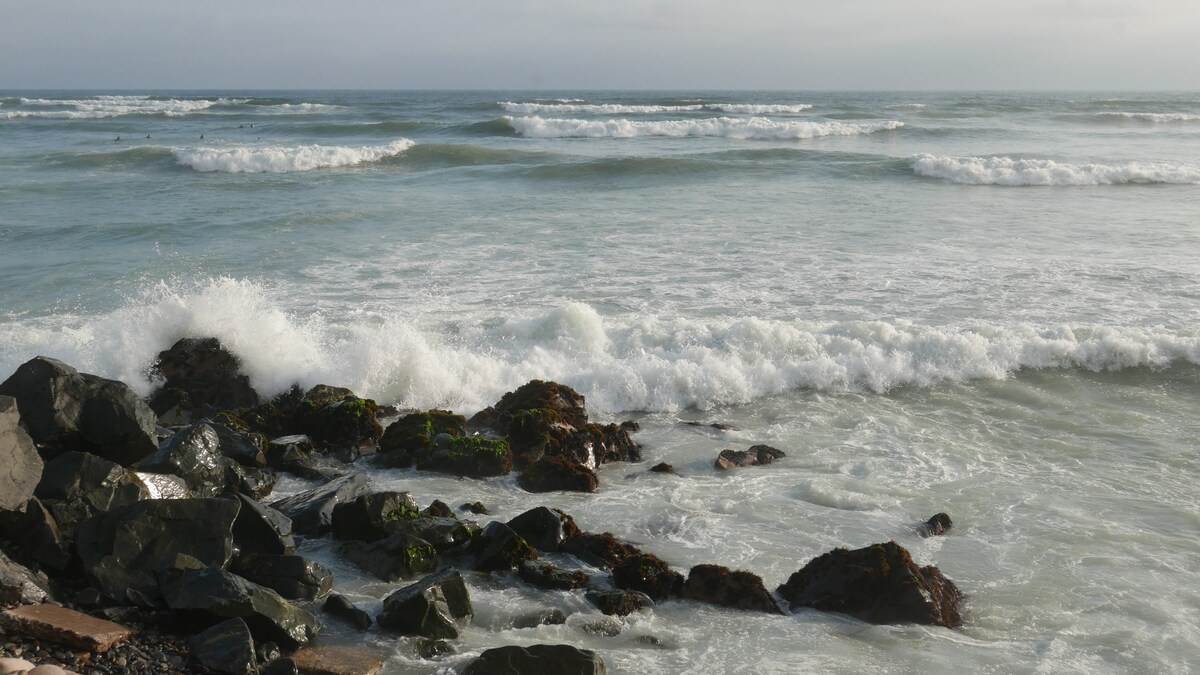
{"x":117,"y":139}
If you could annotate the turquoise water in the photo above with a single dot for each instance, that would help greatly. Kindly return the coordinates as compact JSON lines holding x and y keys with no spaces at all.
{"x":983,"y":303}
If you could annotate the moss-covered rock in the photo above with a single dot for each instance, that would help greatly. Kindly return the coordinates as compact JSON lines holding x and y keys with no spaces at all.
{"x":596,"y":444}
{"x":533,"y":434}
{"x":568,"y":403}
{"x":497,"y":547}
{"x":373,"y":517}
{"x":553,"y":577}
{"x":397,"y":556}
{"x":551,"y":474}
{"x":473,"y":456}
{"x":414,"y":433}
{"x":346,"y":423}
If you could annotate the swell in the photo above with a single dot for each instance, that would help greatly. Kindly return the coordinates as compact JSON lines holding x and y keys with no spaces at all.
{"x":284,"y":159}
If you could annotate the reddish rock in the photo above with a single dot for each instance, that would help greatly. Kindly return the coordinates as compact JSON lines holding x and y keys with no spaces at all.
{"x":599,"y":550}
{"x":64,"y":626}
{"x":756,"y":455}
{"x":649,"y":574}
{"x":727,"y":588}
{"x":336,"y":661}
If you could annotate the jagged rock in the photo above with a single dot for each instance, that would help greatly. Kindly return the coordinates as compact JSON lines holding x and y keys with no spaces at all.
{"x":293,"y":577}
{"x":225,"y":595}
{"x":226,"y":648}
{"x":20,"y":464}
{"x":563,"y":400}
{"x":546,"y":617}
{"x":497,"y":547}
{"x":720,"y":586}
{"x":940,"y":523}
{"x":605,"y":626}
{"x":650,"y":575}
{"x":341,"y":607}
{"x":122,"y":551}
{"x":20,"y":585}
{"x":557,"y":659}
{"x":428,"y":608}
{"x":618,"y":603}
{"x":599,"y":550}
{"x":546,"y":575}
{"x":545,"y":529}
{"x":558,"y":473}
{"x":473,"y":456}
{"x":63,"y":409}
{"x":260,"y":528}
{"x":193,"y":454}
{"x":90,"y":482}
{"x":250,"y":481}
{"x":756,"y":455}
{"x":312,"y":511}
{"x":413,"y":434}
{"x":207,"y":374}
{"x":398,"y":556}
{"x":878,"y":584}
{"x":333,"y":422}
{"x":373,"y":517}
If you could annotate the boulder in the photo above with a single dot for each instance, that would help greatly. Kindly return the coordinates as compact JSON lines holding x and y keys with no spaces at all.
{"x":226,"y":648}
{"x":207,"y":374}
{"x":663,"y":467}
{"x":20,"y":464}
{"x":224,"y":595}
{"x":91,"y":482}
{"x":551,"y":474}
{"x":599,"y":550}
{"x":650,"y":575}
{"x":193,"y":454}
{"x":248,"y":448}
{"x":545,"y":529}
{"x":618,"y":603}
{"x":557,"y":659}
{"x":312,"y":511}
{"x":341,"y":607}
{"x":567,"y":403}
{"x":497,"y":548}
{"x":336,"y":418}
{"x":293,"y":577}
{"x":413,"y":434}
{"x":756,"y":455}
{"x":260,"y":528}
{"x":63,"y":409}
{"x":398,"y":556}
{"x":374,"y":516}
{"x":878,"y":584}
{"x":546,"y":575}
{"x":21,"y":586}
{"x":428,"y":608}
{"x":940,"y":523}
{"x":478,"y":508}
{"x":721,"y":586}
{"x":473,"y":456}
{"x":438,"y":509}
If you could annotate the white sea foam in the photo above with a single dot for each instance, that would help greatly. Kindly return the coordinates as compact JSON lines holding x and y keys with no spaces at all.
{"x":759,"y":109}
{"x":285,"y":159}
{"x":1017,"y":172}
{"x":111,"y":106}
{"x":1149,"y":117}
{"x":619,"y":363}
{"x":727,"y":127}
{"x":617,"y":108}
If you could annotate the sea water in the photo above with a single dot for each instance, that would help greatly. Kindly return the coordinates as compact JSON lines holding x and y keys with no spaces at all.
{"x":977,"y":303}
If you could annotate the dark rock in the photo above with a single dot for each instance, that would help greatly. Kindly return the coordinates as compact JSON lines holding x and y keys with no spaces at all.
{"x":248,"y":449}
{"x":438,"y":509}
{"x":545,"y":529}
{"x":557,"y":659}
{"x":618,"y":603}
{"x":249,"y":481}
{"x":663,"y":467}
{"x":226,"y":648}
{"x":36,"y":532}
{"x":20,"y":585}
{"x":90,"y":481}
{"x":940,"y":523}
{"x":312,"y":511}
{"x":431,"y":649}
{"x":225,"y":595}
{"x":632,"y":426}
{"x":193,"y":454}
{"x":546,"y":617}
{"x":413,"y":434}
{"x":650,"y":575}
{"x":207,"y":374}
{"x":558,"y":473}
{"x":563,"y":400}
{"x":595,"y":444}
{"x":124,"y":550}
{"x":339,"y":606}
{"x":293,"y":577}
{"x":497,"y":547}
{"x":545,"y":575}
{"x":878,"y":584}
{"x":473,"y":456}
{"x":475,"y":507}
{"x":346,"y":422}
{"x":268,"y":652}
{"x":296,"y":455}
{"x":261,"y":529}
{"x":604,"y":626}
{"x":281,"y":666}
{"x":63,"y":409}
{"x":721,"y":586}
{"x":20,"y":464}
{"x":599,"y":550}
{"x":428,"y":608}
{"x":446,"y":534}
{"x":372,"y":517}
{"x":483,"y":420}
{"x":536,"y":433}
{"x":398,"y":556}
{"x":756,"y":455}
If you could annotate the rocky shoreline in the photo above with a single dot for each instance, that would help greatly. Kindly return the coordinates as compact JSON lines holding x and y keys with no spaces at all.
{"x":156,"y":515}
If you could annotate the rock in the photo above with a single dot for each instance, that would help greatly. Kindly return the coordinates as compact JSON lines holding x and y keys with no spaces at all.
{"x":878,"y":584}
{"x":413,"y":434}
{"x":605,"y":626}
{"x":207,"y":373}
{"x":547,"y":617}
{"x":595,"y":444}
{"x":940,"y":523}
{"x":249,"y":481}
{"x":535,"y":433}
{"x":545,"y":529}
{"x":20,"y":464}
{"x":720,"y":586}
{"x":325,"y":660}
{"x":248,"y":449}
{"x":124,"y":550}
{"x":36,"y":532}
{"x":650,"y":575}
{"x":91,"y":482}
{"x":165,"y":486}
{"x":473,"y":456}
{"x":372,"y":517}
{"x":193,"y":454}
{"x":430,"y":649}
{"x":599,"y":550}
{"x":296,"y":455}
{"x":497,"y":548}
{"x":14,"y":666}
{"x":63,"y":409}
{"x":557,"y":659}
{"x":546,"y":575}
{"x":312,"y":511}
{"x":428,"y":608}
{"x":226,"y":648}
{"x":293,"y":577}
{"x":445,"y":534}
{"x":260,"y":528}
{"x":756,"y":455}
{"x":438,"y":509}
{"x":341,"y":607}
{"x":64,"y":626}
{"x":632,"y":426}
{"x":20,"y":585}
{"x":398,"y":556}
{"x":618,"y":603}
{"x":475,"y":507}
{"x":281,"y":666}
{"x":224,"y":595}
{"x":567,"y":403}
{"x":332,"y":422}
{"x":558,"y":473}
{"x":663,"y":467}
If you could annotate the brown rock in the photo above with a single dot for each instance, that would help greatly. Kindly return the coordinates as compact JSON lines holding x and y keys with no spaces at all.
{"x":755,"y":456}
{"x":336,"y":661}
{"x":727,"y":588}
{"x":64,"y":626}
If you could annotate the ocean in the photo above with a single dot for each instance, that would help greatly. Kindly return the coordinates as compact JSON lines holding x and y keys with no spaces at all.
{"x":978,"y":303}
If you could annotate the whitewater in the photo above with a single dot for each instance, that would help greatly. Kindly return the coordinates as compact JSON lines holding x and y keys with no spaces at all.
{"x":978,"y":303}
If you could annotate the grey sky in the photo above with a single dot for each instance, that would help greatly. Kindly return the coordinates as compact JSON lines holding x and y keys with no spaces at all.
{"x":570,"y":44}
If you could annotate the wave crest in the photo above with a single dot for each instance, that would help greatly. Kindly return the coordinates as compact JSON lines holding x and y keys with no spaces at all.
{"x":285,"y":159}
{"x":628,"y":109}
{"x":725,"y":127}
{"x":1021,"y":172}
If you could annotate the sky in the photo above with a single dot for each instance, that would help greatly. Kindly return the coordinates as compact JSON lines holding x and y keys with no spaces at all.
{"x":610,"y":44}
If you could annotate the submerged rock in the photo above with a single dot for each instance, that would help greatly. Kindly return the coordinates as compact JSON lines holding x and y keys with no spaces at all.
{"x":20,"y":464}
{"x":726,"y":588}
{"x":620,"y":602}
{"x":398,"y":556}
{"x":341,"y":607}
{"x":557,"y":659}
{"x":755,"y":456}
{"x":940,"y":523}
{"x":546,"y":575}
{"x":473,"y":456}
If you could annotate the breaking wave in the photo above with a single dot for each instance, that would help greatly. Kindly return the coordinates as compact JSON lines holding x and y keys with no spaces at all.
{"x":727,"y":127}
{"x":617,"y":108}
{"x":282,"y":159}
{"x":1019,"y":172}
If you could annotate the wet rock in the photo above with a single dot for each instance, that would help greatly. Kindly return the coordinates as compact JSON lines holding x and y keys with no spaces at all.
{"x":281,"y":666}
{"x":595,"y":444}
{"x":878,"y":584}
{"x":719,"y":426}
{"x":475,"y":507}
{"x":604,"y":626}
{"x":250,"y":481}
{"x":64,"y":626}
{"x":545,"y":529}
{"x":438,"y":509}
{"x":296,"y":455}
{"x":546,"y":575}
{"x":330,"y":660}
{"x":91,"y":482}
{"x":428,"y":608}
{"x":374,"y":516}
{"x":473,"y":456}
{"x":339,"y":606}
{"x":224,"y":595}
{"x":431,"y":649}
{"x":194,"y":455}
{"x":312,"y":511}
{"x":20,"y":585}
{"x":599,"y":550}
{"x":413,"y":434}
{"x":165,"y":486}
{"x":551,"y":474}
{"x":398,"y":556}
{"x":293,"y":577}
{"x":632,"y":426}
{"x":618,"y":603}
{"x":497,"y":547}
{"x":535,"y":433}
{"x":663,"y":467}
{"x":332,"y":422}
{"x":20,"y":464}
{"x":563,"y":400}
{"x":446,"y":534}
{"x":546,"y":617}
{"x":207,"y":374}
{"x":940,"y":523}
{"x":756,"y":455}
{"x":36,"y":532}
{"x":247,"y":449}
{"x":557,"y":659}
{"x":226,"y":648}
{"x":260,"y":528}
{"x":63,"y":409}
{"x":721,"y":586}
{"x":650,"y":575}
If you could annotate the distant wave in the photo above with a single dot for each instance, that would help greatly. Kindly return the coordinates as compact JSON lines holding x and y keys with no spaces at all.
{"x":100,"y":107}
{"x":618,"y":108}
{"x":1157,"y":118}
{"x":1017,"y":172}
{"x":726,"y":127}
{"x":250,"y":159}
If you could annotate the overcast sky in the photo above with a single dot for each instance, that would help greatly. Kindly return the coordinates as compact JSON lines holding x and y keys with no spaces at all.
{"x":601,"y":44}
